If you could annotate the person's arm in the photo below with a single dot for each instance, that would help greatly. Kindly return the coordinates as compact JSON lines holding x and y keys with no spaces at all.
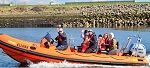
{"x":99,"y":43}
{"x":114,"y":43}
{"x":56,"y":38}
{"x":106,"y":42}
{"x":93,"y":39}
{"x":82,"y":34}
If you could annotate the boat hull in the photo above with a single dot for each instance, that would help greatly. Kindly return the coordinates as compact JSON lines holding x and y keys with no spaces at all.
{"x":23,"y":52}
{"x":23,"y":56}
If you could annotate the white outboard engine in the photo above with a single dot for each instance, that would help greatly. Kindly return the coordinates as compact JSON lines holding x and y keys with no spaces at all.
{"x":138,"y":49}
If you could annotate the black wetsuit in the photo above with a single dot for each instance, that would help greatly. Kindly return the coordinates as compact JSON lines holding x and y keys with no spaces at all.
{"x":62,"y":41}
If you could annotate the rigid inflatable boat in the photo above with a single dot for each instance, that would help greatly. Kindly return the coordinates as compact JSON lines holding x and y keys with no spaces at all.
{"x":22,"y":51}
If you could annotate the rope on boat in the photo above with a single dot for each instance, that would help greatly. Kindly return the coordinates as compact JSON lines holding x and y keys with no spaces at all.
{"x":99,"y":56}
{"x":71,"y":54}
{"x":118,"y":59}
{"x":81,"y":55}
{"x":92,"y":55}
{"x":63,"y":53}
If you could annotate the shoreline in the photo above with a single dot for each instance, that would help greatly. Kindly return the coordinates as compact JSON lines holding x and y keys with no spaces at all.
{"x":72,"y":21}
{"x":79,"y":15}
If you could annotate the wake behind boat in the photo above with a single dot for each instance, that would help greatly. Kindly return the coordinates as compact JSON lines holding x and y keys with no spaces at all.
{"x":22,"y":51}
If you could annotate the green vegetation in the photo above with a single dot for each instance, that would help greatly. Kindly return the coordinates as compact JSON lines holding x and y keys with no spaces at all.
{"x":81,"y":4}
{"x":76,"y":14}
{"x":55,"y":9}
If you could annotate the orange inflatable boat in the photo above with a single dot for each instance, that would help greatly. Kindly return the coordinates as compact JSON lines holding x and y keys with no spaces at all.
{"x":21,"y":51}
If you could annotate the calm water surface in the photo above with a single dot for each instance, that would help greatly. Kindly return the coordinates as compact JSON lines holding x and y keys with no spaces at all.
{"x":35,"y":35}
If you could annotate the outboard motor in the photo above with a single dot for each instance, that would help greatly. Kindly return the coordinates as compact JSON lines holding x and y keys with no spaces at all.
{"x":138,"y":49}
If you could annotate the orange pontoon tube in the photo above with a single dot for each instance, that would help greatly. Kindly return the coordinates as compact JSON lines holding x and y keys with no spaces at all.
{"x":21,"y":51}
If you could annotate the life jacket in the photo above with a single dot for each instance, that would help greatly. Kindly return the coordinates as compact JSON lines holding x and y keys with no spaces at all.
{"x":85,"y":44}
{"x":59,"y":38}
{"x":112,"y":44}
{"x":115,"y":44}
{"x":102,"y":43}
{"x":93,"y":42}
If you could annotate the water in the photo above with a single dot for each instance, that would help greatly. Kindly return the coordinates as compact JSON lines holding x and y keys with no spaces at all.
{"x":35,"y":35}
{"x":73,"y":65}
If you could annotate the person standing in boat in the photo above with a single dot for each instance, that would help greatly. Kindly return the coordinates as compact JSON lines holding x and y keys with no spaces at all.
{"x":92,"y":42}
{"x":61,"y":40}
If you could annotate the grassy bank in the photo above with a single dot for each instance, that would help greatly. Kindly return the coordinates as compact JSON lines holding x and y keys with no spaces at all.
{"x":56,"y":9}
{"x":77,"y":14}
{"x":80,"y":4}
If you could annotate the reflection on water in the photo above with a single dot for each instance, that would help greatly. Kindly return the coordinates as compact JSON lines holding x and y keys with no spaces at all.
{"x":132,"y":28}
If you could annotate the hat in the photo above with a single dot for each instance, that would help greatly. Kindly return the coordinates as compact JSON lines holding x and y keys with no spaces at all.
{"x":99,"y":35}
{"x":60,"y":30}
{"x":112,"y":34}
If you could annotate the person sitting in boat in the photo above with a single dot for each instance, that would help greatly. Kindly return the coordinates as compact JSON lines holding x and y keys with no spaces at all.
{"x":92,"y":42}
{"x":61,"y":40}
{"x":105,"y":43}
{"x":47,"y":40}
{"x":112,"y":42}
{"x":100,"y":43}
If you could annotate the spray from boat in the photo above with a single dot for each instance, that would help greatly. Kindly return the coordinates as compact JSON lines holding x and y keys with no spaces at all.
{"x":77,"y":65}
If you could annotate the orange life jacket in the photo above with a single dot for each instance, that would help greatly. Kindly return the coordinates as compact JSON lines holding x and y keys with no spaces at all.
{"x":85,"y":44}
{"x":110,"y":42}
{"x":101,"y":43}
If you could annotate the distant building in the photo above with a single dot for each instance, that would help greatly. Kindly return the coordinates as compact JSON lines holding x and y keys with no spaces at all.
{"x":10,"y":4}
{"x":101,"y":1}
{"x":111,"y":0}
{"x":6,"y":4}
{"x":142,"y":0}
{"x":55,"y":3}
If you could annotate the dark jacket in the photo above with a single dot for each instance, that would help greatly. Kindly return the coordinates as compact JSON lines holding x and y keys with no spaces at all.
{"x":62,"y":41}
{"x":93,"y":44}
